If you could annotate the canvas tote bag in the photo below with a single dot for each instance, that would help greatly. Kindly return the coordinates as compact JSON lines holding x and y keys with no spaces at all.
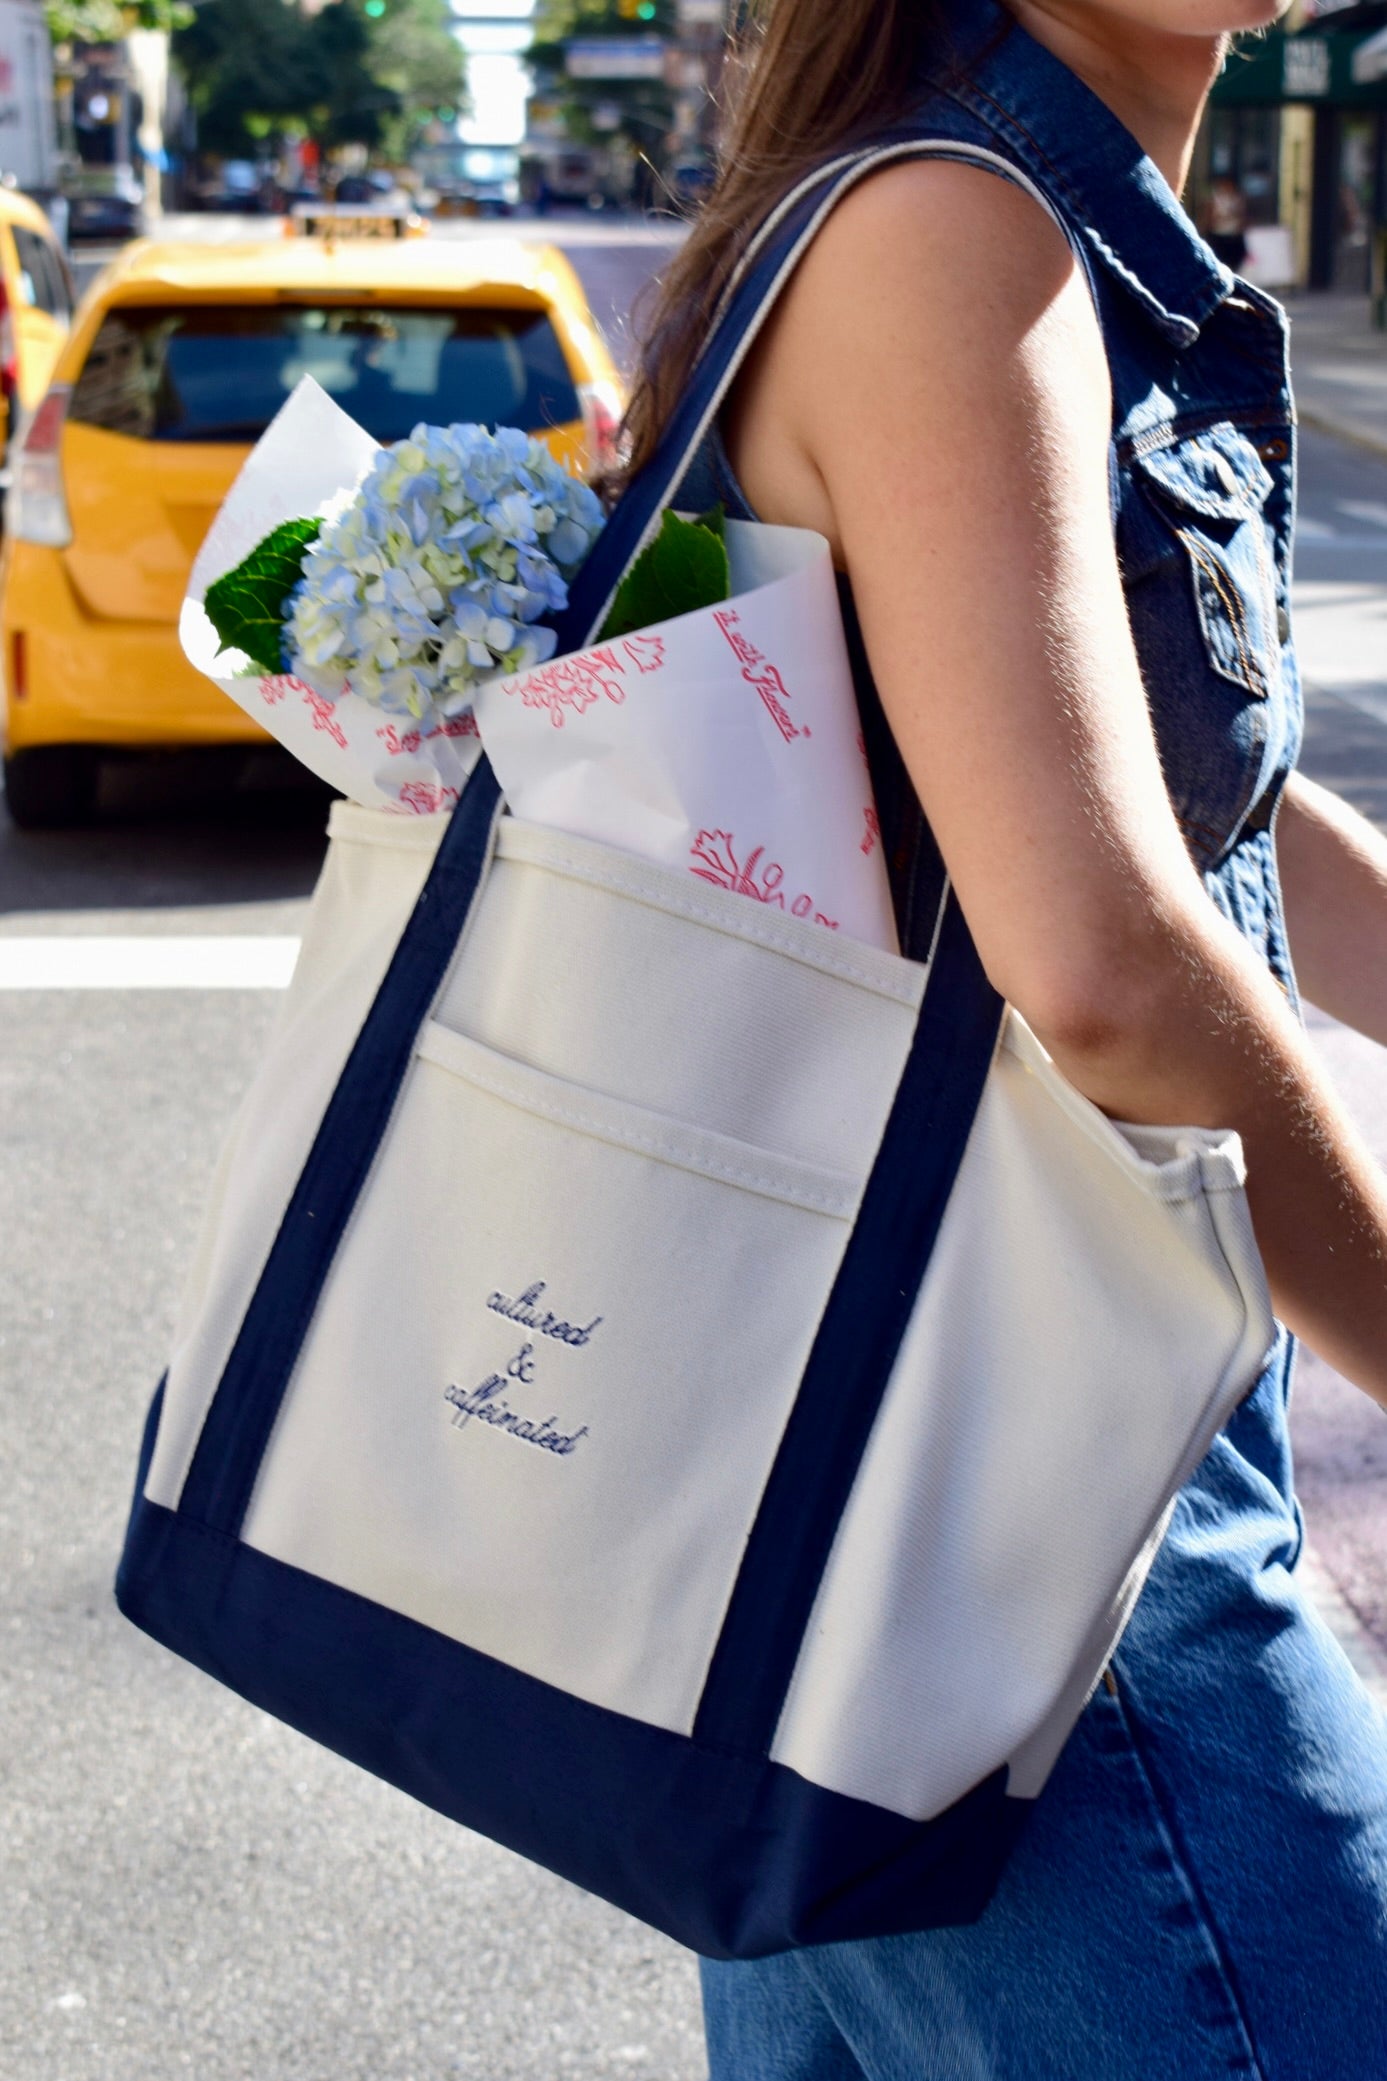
{"x":686,"y":1394}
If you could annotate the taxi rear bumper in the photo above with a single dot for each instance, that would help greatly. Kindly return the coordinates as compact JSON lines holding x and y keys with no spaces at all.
{"x":74,"y":678}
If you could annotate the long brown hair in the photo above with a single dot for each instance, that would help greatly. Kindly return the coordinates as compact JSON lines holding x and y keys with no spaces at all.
{"x":803,"y":79}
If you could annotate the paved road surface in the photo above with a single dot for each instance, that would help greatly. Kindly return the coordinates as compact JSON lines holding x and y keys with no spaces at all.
{"x":187,"y":1887}
{"x":1341,"y":635}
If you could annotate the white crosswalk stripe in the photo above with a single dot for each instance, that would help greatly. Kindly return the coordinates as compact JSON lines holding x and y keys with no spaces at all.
{"x":206,"y":961}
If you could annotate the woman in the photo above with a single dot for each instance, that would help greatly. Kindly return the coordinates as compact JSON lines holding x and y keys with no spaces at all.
{"x":1102,"y":733}
{"x":1225,"y":225}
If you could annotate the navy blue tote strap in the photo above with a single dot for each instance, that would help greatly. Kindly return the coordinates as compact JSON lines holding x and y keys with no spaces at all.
{"x":747,"y":303}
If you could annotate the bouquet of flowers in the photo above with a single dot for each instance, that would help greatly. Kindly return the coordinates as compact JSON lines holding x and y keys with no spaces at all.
{"x":383,"y":612}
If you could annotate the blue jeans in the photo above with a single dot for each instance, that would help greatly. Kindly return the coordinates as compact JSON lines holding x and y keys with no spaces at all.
{"x":1202,"y":1890}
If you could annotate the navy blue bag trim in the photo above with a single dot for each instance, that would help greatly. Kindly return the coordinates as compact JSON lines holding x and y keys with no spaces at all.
{"x":704,"y":1837}
{"x":735,"y":1857}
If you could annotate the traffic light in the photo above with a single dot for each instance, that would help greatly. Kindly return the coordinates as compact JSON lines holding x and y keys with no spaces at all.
{"x":636,"y":10}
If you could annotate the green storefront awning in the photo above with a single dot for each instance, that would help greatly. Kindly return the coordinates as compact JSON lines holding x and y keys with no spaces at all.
{"x":1313,"y":68}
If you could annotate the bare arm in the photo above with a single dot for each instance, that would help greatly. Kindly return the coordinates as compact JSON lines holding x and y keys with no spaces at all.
{"x":933,"y":393}
{"x":1334,"y":879}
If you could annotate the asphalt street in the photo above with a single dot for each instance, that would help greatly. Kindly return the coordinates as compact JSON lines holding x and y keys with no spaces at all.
{"x":185,"y":1886}
{"x":1341,"y":638}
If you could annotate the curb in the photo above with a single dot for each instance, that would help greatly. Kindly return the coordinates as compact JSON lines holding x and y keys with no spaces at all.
{"x":1367,"y":1659}
{"x":1340,"y":429}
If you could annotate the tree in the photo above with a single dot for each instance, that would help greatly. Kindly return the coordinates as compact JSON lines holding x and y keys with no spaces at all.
{"x":368,"y":72}
{"x":107,"y":21}
{"x":352,"y":104}
{"x":414,"y":53}
{"x":557,"y":19}
{"x":249,"y":70}
{"x":644,"y":107}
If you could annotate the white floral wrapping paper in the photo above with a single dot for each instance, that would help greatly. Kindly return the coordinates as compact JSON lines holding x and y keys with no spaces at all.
{"x":308,"y":461}
{"x":724,"y":743}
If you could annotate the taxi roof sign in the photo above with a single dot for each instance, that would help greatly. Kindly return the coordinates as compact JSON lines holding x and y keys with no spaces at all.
{"x":343,"y":220}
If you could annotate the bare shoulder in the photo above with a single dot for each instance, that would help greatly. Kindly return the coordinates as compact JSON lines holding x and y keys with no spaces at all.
{"x":939,"y":302}
{"x":943,"y":204}
{"x":941,"y":243}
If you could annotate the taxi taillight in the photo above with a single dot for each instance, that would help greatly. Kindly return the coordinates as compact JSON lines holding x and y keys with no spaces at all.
{"x":37,"y":505}
{"x":9,"y":363}
{"x":602,"y":421}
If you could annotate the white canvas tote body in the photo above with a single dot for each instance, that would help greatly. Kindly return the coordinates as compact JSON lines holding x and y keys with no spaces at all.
{"x":682,"y":1392}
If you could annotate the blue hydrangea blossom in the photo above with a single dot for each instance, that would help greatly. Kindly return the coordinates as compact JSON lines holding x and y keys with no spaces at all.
{"x":437,"y":573}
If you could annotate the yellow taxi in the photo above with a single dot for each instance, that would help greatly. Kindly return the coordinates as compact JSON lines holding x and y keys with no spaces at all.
{"x":35,"y":307}
{"x":178,"y":359}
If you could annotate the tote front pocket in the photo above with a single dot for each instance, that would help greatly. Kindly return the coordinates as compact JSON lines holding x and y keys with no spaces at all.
{"x":549,"y":1372}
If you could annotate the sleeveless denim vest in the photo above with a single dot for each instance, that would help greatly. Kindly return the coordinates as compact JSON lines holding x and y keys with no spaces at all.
{"x":1202,"y":463}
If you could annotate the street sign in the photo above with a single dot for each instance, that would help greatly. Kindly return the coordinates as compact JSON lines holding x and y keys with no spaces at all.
{"x":1306,"y":70}
{"x":615,"y":57}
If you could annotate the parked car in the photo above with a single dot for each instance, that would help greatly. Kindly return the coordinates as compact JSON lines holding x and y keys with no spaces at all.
{"x":104,"y":202}
{"x":468,"y":180}
{"x":689,"y":178}
{"x":377,"y":187}
{"x":36,"y":300}
{"x":236,"y":189}
{"x":180,"y":357}
{"x":499,"y":198}
{"x":567,"y":176}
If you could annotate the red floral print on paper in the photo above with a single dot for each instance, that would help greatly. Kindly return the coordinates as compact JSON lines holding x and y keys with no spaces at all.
{"x":714,"y":859}
{"x":572,"y":684}
{"x":396,"y":741}
{"x":425,"y":797}
{"x":647,"y":653}
{"x":759,"y":672}
{"x":276,"y":685}
{"x":729,"y":621}
{"x":321,"y":710}
{"x":872,"y":835}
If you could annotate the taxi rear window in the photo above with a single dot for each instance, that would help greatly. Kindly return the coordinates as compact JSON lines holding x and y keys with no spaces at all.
{"x":211,"y":373}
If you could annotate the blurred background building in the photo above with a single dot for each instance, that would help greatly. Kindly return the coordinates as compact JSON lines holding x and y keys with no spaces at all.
{"x":1297,"y":129}
{"x":119,"y":108}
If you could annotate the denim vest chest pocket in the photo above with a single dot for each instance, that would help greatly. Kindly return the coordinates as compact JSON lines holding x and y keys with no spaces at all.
{"x":1210,"y":488}
{"x":1201,"y":589}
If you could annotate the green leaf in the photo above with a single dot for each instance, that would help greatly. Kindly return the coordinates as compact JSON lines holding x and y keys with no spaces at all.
{"x":715,"y":520}
{"x":683,"y":569}
{"x":246,"y":606}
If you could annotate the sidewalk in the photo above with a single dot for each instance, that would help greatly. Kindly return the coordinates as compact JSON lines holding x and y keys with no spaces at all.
{"x":1339,"y":370}
{"x":1339,"y":1439}
{"x":1339,"y":367}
